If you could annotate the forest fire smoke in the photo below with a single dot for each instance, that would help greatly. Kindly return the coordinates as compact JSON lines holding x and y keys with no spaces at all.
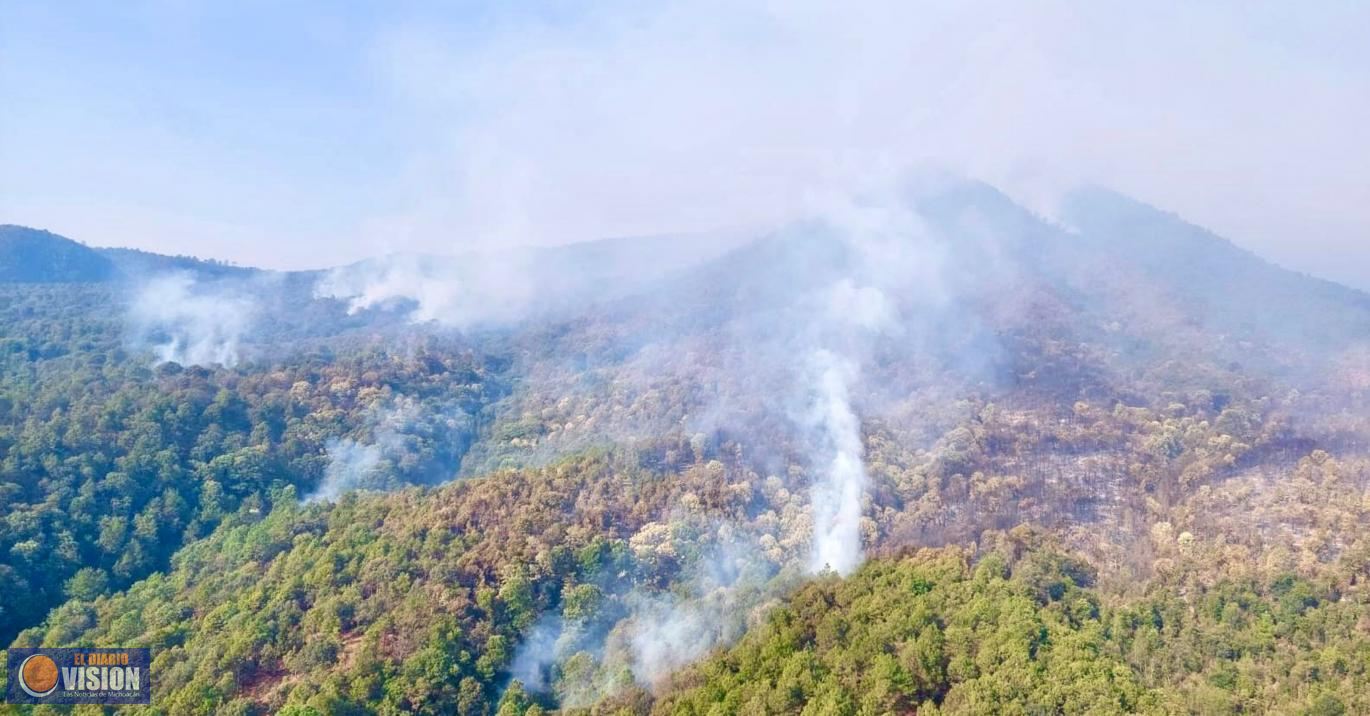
{"x":890,"y":256}
{"x":837,"y":494}
{"x":185,"y":321}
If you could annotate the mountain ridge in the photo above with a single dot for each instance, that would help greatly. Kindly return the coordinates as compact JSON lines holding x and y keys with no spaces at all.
{"x":34,"y":255}
{"x":1095,"y":214}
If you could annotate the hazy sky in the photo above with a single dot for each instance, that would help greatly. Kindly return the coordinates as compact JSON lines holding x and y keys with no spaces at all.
{"x":305,"y":134}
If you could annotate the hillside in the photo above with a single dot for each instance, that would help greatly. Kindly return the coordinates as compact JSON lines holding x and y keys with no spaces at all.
{"x":1015,"y":311}
{"x":664,"y":448}
{"x":1022,"y":630}
{"x":1221,"y":289}
{"x":34,"y":256}
{"x":37,"y":256}
{"x":134,"y":262}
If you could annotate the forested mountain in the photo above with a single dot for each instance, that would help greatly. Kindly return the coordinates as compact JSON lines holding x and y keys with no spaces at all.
{"x":1021,"y":629}
{"x":133,"y":262}
{"x":35,"y":256}
{"x":111,"y":463}
{"x":31,"y":255}
{"x":1221,"y":288}
{"x":1108,"y":463}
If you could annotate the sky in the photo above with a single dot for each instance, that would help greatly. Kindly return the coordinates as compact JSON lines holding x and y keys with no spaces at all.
{"x":307,"y":134}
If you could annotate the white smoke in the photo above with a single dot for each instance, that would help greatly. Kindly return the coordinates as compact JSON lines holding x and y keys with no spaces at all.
{"x":649,"y":634}
{"x":837,"y":494}
{"x":710,"y":607}
{"x":350,"y":465}
{"x":442,"y":290}
{"x":354,"y":464}
{"x":538,"y":651}
{"x":190,"y":322}
{"x":893,"y":256}
{"x":494,"y":287}
{"x":669,"y":632}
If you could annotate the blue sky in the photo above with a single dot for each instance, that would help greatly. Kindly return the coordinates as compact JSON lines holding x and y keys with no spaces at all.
{"x":304,"y":134}
{"x":194,"y":129}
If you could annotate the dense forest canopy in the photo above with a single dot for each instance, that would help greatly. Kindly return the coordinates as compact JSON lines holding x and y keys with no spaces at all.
{"x":932,"y":453}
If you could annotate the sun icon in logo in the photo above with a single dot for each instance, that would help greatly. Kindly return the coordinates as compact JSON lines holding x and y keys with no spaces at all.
{"x":38,"y":676}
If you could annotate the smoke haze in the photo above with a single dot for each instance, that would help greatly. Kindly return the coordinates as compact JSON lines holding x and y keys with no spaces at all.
{"x":188,"y":322}
{"x":405,"y":443}
{"x":433,"y":129}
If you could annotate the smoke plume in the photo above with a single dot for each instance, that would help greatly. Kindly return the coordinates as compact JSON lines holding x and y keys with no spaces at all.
{"x":669,"y":630}
{"x":647,"y":633}
{"x":408,"y":444}
{"x":189,"y":322}
{"x":837,"y":493}
{"x":538,"y":651}
{"x":499,"y":287}
{"x":893,"y":260}
{"x":447,"y":291}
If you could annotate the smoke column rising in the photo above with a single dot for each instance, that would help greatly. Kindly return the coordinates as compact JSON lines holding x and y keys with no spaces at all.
{"x":893,"y":256}
{"x":837,"y":494}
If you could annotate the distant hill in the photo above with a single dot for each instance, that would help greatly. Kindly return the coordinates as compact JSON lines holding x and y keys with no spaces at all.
{"x":36,"y":256}
{"x":132,"y":262}
{"x":1215,"y":283}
